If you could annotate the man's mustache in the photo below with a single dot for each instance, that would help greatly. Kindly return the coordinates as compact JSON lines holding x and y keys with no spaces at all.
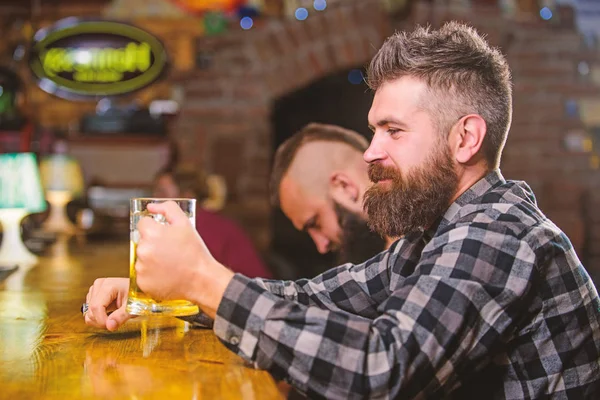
{"x":378,"y":172}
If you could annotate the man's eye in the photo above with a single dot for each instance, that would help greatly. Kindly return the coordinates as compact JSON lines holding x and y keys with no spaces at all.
{"x":310,"y":224}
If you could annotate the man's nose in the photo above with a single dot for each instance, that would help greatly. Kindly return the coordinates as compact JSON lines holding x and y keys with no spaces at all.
{"x":375,"y":150}
{"x":321,"y":242}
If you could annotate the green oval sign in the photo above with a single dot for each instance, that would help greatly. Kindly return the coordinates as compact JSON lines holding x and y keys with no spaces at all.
{"x":77,"y":58}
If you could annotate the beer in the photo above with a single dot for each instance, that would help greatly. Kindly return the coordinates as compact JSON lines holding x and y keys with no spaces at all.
{"x":139,"y":303}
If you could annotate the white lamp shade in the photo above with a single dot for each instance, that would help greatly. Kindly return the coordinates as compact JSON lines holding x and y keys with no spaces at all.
{"x":61,"y":172}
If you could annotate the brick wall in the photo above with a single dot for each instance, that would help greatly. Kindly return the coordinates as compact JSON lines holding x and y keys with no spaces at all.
{"x":225,"y":125}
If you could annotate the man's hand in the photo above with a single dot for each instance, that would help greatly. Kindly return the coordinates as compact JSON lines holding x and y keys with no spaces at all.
{"x":173,"y":262}
{"x":107,"y":294}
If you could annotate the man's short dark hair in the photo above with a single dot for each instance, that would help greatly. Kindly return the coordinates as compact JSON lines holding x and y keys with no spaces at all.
{"x":313,"y":132}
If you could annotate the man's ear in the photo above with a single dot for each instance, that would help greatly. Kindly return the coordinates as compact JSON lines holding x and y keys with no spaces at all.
{"x":469,"y":133}
{"x":343,"y":189}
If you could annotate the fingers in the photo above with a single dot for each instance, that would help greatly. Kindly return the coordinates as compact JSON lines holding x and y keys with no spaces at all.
{"x":148,"y":228}
{"x":149,"y":231}
{"x":171,"y":211}
{"x":117,"y":318}
{"x":101,"y":297}
{"x":89,"y":315}
{"x":142,"y":252}
{"x":89,"y":295}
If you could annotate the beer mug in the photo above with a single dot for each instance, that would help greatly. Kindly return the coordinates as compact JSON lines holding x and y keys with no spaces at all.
{"x":138,"y":303}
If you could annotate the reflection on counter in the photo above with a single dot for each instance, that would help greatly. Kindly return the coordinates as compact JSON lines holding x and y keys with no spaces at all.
{"x":23,"y":315}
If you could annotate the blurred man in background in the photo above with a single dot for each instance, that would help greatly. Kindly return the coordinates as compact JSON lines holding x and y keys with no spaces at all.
{"x":319,"y":179}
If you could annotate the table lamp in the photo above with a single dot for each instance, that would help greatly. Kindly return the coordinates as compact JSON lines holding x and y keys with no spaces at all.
{"x":63,"y":181}
{"x":20,"y":194}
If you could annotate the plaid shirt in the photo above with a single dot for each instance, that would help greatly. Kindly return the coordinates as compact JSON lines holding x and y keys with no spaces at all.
{"x":491,"y":302}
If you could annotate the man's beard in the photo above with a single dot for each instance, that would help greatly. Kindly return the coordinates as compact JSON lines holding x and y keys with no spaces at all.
{"x":414,"y":202}
{"x":358,"y":243}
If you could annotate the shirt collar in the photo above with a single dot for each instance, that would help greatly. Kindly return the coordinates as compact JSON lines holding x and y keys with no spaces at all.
{"x":492,"y":179}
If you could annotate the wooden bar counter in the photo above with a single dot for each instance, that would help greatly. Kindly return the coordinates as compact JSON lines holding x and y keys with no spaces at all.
{"x":47,"y":351}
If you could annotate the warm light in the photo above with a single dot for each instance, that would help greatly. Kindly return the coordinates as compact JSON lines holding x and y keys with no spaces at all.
{"x":207,"y":5}
{"x":62,"y":172}
{"x":23,"y":336}
{"x":63,"y":180}
{"x":83,"y":57}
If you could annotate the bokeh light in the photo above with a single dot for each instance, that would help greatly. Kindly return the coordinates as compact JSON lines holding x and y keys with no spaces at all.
{"x":355,"y":77}
{"x":546,"y":13}
{"x":320,"y":5}
{"x":246,"y":23}
{"x":301,"y":14}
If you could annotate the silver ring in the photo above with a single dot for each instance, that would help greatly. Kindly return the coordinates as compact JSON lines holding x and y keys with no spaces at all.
{"x":84,"y":308}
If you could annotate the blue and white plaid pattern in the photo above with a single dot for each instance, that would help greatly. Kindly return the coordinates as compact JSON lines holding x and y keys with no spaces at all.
{"x":491,"y":303}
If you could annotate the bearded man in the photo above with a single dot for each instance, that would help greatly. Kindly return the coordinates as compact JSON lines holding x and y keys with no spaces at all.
{"x":482,"y":298}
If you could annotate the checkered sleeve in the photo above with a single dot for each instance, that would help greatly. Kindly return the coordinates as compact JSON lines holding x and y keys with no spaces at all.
{"x":441,"y":323}
{"x":356,"y":289}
